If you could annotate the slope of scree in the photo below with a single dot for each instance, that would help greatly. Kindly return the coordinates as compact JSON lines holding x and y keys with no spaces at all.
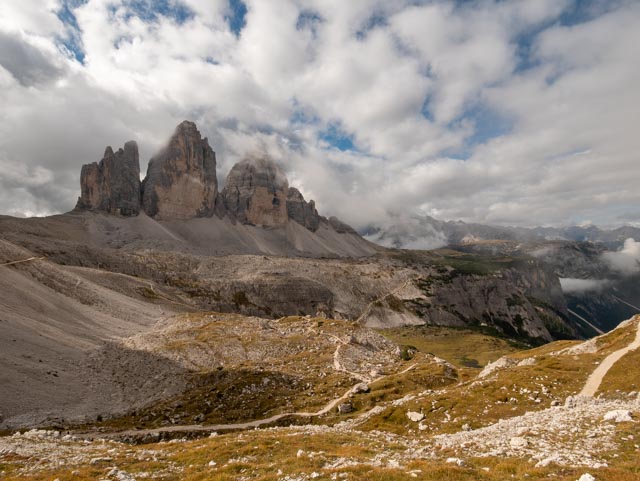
{"x":52,"y":318}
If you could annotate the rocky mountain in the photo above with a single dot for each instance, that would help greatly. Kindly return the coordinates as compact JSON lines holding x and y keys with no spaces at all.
{"x":415,"y":232}
{"x":178,"y":206}
{"x":113,"y":184}
{"x":181,"y":180}
{"x":303,"y":212}
{"x":168,"y":309}
{"x":181,"y":187}
{"x":256,"y":193}
{"x":599,"y":274}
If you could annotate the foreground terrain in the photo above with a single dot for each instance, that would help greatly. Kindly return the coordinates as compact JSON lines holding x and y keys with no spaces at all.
{"x":530,"y":414}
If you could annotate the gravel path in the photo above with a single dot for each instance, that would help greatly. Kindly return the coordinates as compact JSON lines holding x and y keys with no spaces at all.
{"x":593,"y":383}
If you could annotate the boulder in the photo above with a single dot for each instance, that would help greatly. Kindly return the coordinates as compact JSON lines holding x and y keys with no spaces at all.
{"x":618,"y":416}
{"x":518,"y":443}
{"x":256,"y":193}
{"x":181,"y":180}
{"x":360,"y":388}
{"x":587,"y":477}
{"x":113,"y":184}
{"x":414,"y":416}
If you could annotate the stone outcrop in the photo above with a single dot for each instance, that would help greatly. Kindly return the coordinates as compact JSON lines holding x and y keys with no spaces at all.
{"x":340,"y":227}
{"x":181,"y":184}
{"x":181,"y":180}
{"x":113,"y":184}
{"x":256,"y":193}
{"x":301,"y":211}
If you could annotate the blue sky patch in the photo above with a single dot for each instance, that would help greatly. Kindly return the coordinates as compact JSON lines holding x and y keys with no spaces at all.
{"x":71,"y":42}
{"x":237,"y":17}
{"x":152,"y":10}
{"x":308,"y":19}
{"x":426,"y":110}
{"x":337,"y":138}
{"x":487,"y":124}
{"x":374,"y":21}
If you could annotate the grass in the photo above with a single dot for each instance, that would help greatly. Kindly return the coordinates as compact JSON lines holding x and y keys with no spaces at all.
{"x":620,"y":378}
{"x":448,"y":397}
{"x":273,"y":455}
{"x":462,"y":347}
{"x":247,"y":369}
{"x":505,"y":394}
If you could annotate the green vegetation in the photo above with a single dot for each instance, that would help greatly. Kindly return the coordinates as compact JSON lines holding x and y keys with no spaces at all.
{"x":459,"y":346}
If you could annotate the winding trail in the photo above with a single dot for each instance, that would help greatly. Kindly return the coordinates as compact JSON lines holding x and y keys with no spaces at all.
{"x":138,"y":433}
{"x":23,"y":260}
{"x":594,"y":381}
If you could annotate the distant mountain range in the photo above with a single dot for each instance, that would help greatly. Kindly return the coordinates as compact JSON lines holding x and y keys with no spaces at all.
{"x":599,"y":269}
{"x":424,"y":232}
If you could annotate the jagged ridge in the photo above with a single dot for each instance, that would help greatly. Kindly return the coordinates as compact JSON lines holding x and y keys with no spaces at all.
{"x":181,"y":183}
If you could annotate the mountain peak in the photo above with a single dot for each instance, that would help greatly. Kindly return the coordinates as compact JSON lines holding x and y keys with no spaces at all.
{"x":181,"y":184}
{"x":256,"y":192}
{"x":181,"y":180}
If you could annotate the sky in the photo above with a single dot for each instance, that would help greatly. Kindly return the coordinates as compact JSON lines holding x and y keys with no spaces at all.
{"x":503,"y":112}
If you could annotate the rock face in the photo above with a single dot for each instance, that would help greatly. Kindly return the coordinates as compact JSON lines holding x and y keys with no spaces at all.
{"x":181,"y":180}
{"x":301,"y":211}
{"x":181,"y":184}
{"x":113,"y":184}
{"x":256,"y":193}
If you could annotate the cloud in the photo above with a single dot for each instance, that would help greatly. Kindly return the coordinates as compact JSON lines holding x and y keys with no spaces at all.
{"x":625,"y":261}
{"x":409,"y":233}
{"x":28,"y":64}
{"x":578,"y":286}
{"x":501,"y":112}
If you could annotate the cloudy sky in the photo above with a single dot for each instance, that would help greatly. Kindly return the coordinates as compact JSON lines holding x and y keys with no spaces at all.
{"x":503,"y":112}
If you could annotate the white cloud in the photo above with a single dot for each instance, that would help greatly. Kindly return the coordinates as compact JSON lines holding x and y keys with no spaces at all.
{"x":577,"y":286}
{"x":412,"y":85}
{"x":626,"y":260}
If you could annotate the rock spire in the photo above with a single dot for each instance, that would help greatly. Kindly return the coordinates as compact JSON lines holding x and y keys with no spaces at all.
{"x":113,"y":184}
{"x":181,"y":180}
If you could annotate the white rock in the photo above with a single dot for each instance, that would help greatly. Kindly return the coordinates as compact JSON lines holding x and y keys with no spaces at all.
{"x":456,"y":461}
{"x":415,"y":416}
{"x":363,"y":387}
{"x":300,"y":453}
{"x":586,"y":477}
{"x":618,"y":416}
{"x":543,"y":463}
{"x":212,"y":463}
{"x":518,"y":443}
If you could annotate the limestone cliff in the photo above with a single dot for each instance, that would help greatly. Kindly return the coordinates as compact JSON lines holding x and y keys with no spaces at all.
{"x":181,"y":180}
{"x":113,"y":184}
{"x":256,"y":193}
{"x":181,"y":184}
{"x":301,"y":211}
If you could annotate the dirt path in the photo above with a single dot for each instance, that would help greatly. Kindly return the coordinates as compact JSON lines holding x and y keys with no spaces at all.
{"x":593,"y":383}
{"x":235,"y":426}
{"x":23,"y":260}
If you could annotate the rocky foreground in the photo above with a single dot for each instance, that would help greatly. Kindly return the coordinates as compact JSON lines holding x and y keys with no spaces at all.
{"x":410,"y":435}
